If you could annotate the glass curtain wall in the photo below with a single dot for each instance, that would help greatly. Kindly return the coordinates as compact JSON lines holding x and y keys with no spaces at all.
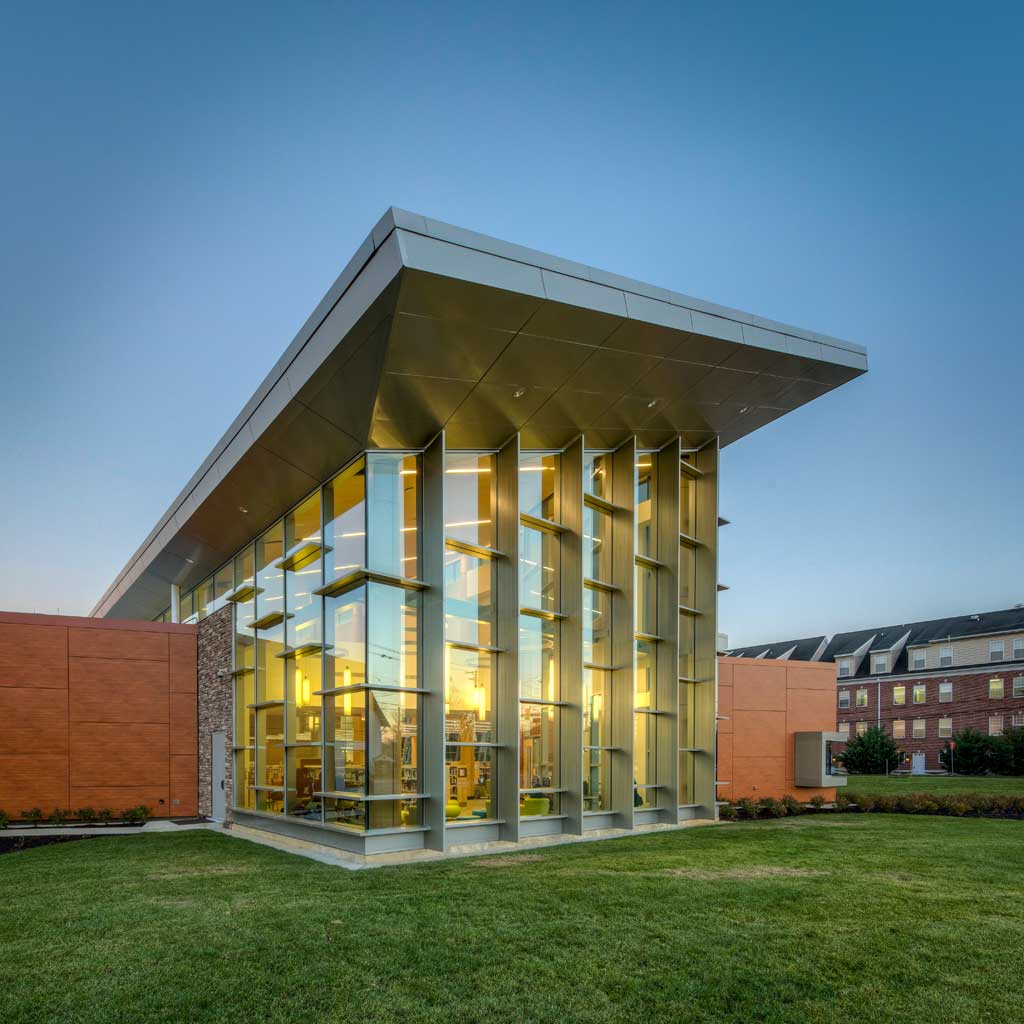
{"x":326,"y":653}
{"x":688,"y":669}
{"x":645,"y":703}
{"x":469,"y":626}
{"x":539,"y":634}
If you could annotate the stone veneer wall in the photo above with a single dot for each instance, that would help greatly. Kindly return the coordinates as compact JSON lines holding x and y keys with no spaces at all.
{"x":216,"y":635}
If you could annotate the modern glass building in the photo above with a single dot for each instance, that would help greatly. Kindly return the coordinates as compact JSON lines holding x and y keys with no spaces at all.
{"x":467,"y":533}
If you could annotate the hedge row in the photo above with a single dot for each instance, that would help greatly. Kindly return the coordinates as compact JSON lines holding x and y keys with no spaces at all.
{"x":84,"y":815}
{"x":959,"y":805}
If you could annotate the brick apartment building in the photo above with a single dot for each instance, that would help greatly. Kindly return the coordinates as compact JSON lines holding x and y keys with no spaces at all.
{"x":922,"y":681}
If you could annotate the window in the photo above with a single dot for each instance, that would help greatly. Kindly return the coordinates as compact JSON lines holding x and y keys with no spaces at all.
{"x":1018,"y":686}
{"x":920,"y":694}
{"x":1018,"y":648}
{"x":945,"y":693}
{"x":344,"y":522}
{"x":996,"y":650}
{"x":1017,"y":721}
{"x":899,"y":695}
{"x":469,"y":498}
{"x":945,"y":728}
{"x":597,"y":544}
{"x":899,"y":729}
{"x":538,"y":486}
{"x":862,"y":698}
{"x":918,"y":659}
{"x":646,"y":536}
{"x":862,"y":727}
{"x":844,"y":698}
{"x":538,"y":569}
{"x":945,"y":657}
{"x":845,"y":668}
{"x":995,"y":725}
{"x":880,"y":663}
{"x":844,"y":729}
{"x":995,"y":689}
{"x":920,"y":729}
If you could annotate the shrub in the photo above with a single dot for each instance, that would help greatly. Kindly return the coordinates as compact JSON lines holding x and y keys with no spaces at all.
{"x":747,"y":807}
{"x":4,"y":819}
{"x":771,"y":808}
{"x":137,"y":815}
{"x":971,"y":756}
{"x":58,"y":816}
{"x":34,"y":815}
{"x":842,"y":801}
{"x":792,"y":805}
{"x":885,"y":804}
{"x":865,"y":802}
{"x":870,"y":753}
{"x":85,"y":814}
{"x":726,"y":812}
{"x":817,"y":801}
{"x":104,"y":814}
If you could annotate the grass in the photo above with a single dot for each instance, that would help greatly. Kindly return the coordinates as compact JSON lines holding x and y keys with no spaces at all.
{"x":831,"y":918}
{"x":891,"y":785}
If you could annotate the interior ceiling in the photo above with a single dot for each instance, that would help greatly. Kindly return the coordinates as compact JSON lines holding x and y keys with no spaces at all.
{"x":435,"y":352}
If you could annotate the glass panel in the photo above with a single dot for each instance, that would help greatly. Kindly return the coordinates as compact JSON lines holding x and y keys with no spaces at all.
{"x":687,"y":503}
{"x":394,"y":504}
{"x":303,"y":524}
{"x":187,"y":607}
{"x":538,"y":658}
{"x":646,"y":524}
{"x":345,"y":812}
{"x":597,"y":627}
{"x":687,"y":642}
{"x":345,"y":522}
{"x":533,"y":804}
{"x":269,"y":578}
{"x":687,"y":575}
{"x":596,"y":708}
{"x":391,"y":742}
{"x":686,"y":786}
{"x":646,"y":659}
{"x":303,"y":782}
{"x":223,"y":582}
{"x":245,"y":716}
{"x":468,"y":598}
{"x":345,"y":742}
{"x":687,"y":696}
{"x":646,"y":600}
{"x":645,"y":768}
{"x":204,"y":598}
{"x":469,"y":696}
{"x":270,"y":790}
{"x":538,"y":486}
{"x":394,"y":632}
{"x":245,"y":567}
{"x":597,"y":782}
{"x":394,"y":813}
{"x":345,"y":629}
{"x":597,"y":475}
{"x":645,"y":799}
{"x":597,"y":544}
{"x":305,"y":710}
{"x":269,"y":667}
{"x":469,"y":498}
{"x":470,"y":775}
{"x":538,"y":745}
{"x":244,"y":779}
{"x":538,"y":569}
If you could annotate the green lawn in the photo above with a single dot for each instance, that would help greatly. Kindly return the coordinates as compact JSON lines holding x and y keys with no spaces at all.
{"x":891,"y":785}
{"x":839,"y":918}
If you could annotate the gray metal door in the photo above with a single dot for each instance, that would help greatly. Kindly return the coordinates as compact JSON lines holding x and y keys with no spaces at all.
{"x":218,"y":797}
{"x":917,"y":764}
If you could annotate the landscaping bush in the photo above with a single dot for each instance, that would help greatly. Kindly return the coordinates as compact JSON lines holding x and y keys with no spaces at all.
{"x":58,"y":816}
{"x":137,"y":815}
{"x":85,"y":814}
{"x":871,"y":753}
{"x":105,"y":815}
{"x":817,"y":801}
{"x":842,"y":801}
{"x":971,"y":756}
{"x":792,"y":805}
{"x":33,"y":816}
{"x":747,"y":807}
{"x":771,"y":808}
{"x":726,"y":812}
{"x":4,"y":819}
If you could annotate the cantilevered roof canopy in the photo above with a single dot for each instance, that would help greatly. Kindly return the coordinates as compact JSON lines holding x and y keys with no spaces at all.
{"x":430,"y":327}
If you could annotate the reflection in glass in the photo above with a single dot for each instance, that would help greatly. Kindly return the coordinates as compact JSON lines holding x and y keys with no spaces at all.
{"x":597,"y":475}
{"x":245,"y":716}
{"x":269,"y":666}
{"x":644,"y":695}
{"x":687,"y":575}
{"x":646,"y":527}
{"x":597,"y":783}
{"x":596,"y":708}
{"x":269,"y":575}
{"x":469,"y":498}
{"x":645,"y":769}
{"x":244,"y":779}
{"x":687,"y":640}
{"x":597,"y":544}
{"x":223,"y":583}
{"x":538,"y":569}
{"x":538,"y":485}
{"x":538,"y":658}
{"x":345,"y":742}
{"x":187,"y":607}
{"x":469,"y":697}
{"x":270,"y":785}
{"x":470,"y":772}
{"x":350,"y":813}
{"x":646,"y":600}
{"x":204,"y":599}
{"x":538,"y":746}
{"x":686,"y":786}
{"x":392,"y":482}
{"x":394,"y":630}
{"x":537,"y":804}
{"x":391,"y":742}
{"x":468,"y":598}
{"x":304,"y":782}
{"x":686,"y":716}
{"x":345,"y":629}
{"x":597,"y":627}
{"x":305,"y":711}
{"x":302,"y":524}
{"x":345,"y":522}
{"x":245,"y":566}
{"x":687,"y":503}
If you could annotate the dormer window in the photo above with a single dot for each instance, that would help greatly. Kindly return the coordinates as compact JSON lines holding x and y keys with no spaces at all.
{"x":945,"y":657}
{"x":919,"y":659}
{"x":1018,"y":648}
{"x":845,"y":668}
{"x":996,"y":650}
{"x":879,"y":663}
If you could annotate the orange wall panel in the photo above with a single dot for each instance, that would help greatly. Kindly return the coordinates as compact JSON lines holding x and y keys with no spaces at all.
{"x":757,"y":776}
{"x":120,"y":798}
{"x":760,"y":732}
{"x":34,"y":719}
{"x":131,"y":644}
{"x":759,"y":686}
{"x":184,"y":786}
{"x":32,"y":655}
{"x":725,"y":701}
{"x":33,"y":780}
{"x":183,"y":655}
{"x":111,"y":690}
{"x":118,"y":754}
{"x":184,"y":724}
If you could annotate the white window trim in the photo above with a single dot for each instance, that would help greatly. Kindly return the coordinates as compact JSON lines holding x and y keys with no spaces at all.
{"x":996,"y":647}
{"x":919,"y":659}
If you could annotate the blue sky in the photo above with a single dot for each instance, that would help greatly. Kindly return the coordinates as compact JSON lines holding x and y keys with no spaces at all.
{"x":180,"y":186}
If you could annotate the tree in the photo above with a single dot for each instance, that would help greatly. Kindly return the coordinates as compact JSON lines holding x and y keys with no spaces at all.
{"x":1015,"y":738}
{"x":971,"y":756}
{"x":871,"y":753}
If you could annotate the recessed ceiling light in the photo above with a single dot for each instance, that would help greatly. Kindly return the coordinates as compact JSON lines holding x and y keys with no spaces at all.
{"x":191,"y":561}
{"x":243,"y":510}
{"x":652,"y":403}
{"x":519,"y":392}
{"x":745,"y":408}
